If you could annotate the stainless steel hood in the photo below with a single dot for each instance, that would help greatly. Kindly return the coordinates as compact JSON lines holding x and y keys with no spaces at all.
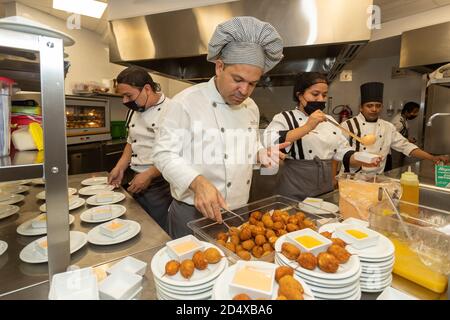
{"x":426,"y":49}
{"x":318,"y":35}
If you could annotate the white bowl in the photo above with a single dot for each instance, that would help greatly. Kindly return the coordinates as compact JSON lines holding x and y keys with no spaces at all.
{"x":129,"y":264}
{"x":180,"y":254}
{"x":325,"y":243}
{"x":371,"y":238}
{"x":266,"y":273}
{"x":74,"y":285}
{"x":120,"y":286}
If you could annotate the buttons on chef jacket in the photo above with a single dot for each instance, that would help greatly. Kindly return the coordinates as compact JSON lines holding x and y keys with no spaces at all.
{"x":225,"y":156}
{"x":153,"y":124}
{"x":364,"y":148}
{"x":335,"y":150}
{"x":248,"y":181}
{"x":134,"y":155}
{"x":249,"y":129}
{"x":222,"y":129}
{"x":300,"y":119}
{"x":134,"y":141}
{"x":364,"y":123}
{"x":310,"y":151}
{"x":381,"y":136}
{"x":214,"y":104}
{"x":132,"y":125}
{"x":229,"y":184}
{"x":381,"y":149}
{"x":334,"y":132}
{"x":159,"y":109}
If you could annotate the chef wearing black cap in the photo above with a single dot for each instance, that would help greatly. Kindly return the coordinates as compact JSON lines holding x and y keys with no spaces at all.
{"x":367,"y":122}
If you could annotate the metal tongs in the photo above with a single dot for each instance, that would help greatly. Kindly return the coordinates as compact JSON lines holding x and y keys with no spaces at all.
{"x":234,"y":214}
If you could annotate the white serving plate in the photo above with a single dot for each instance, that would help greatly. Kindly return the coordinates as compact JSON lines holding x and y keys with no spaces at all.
{"x":117,"y":197}
{"x":3,"y":247}
{"x":117,"y":211}
{"x":17,"y":188}
{"x":75,"y":203}
{"x":96,"y":237}
{"x":7,"y":210}
{"x":94,"y":181}
{"x":322,"y":208}
{"x":26,"y":229}
{"x":95,"y":189}
{"x":41,"y":195}
{"x":14,"y":198}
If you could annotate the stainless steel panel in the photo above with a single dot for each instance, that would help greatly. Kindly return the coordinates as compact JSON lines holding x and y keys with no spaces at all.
{"x":55,"y":168}
{"x":437,"y":137}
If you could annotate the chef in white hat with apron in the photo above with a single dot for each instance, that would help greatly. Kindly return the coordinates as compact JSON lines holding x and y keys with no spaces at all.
{"x":196,"y":147}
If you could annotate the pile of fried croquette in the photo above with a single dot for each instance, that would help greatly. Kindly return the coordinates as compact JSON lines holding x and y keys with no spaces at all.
{"x":258,"y":235}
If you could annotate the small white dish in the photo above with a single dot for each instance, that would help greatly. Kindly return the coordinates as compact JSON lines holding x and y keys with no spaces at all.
{"x":3,"y":247}
{"x":29,"y":254}
{"x":129,"y":264}
{"x":74,"y":203}
{"x":27,"y":229}
{"x":319,"y":208}
{"x":93,"y":190}
{"x":357,"y":236}
{"x":41,"y":195}
{"x":257,"y":281}
{"x":14,"y":188}
{"x":114,"y":228}
{"x":7,"y":210}
{"x":322,"y":243}
{"x":117,"y":211}
{"x":79,"y":284}
{"x":184,"y":247}
{"x":96,"y":237}
{"x":393,"y":294}
{"x":13,"y":198}
{"x":94,"y":181}
{"x":120,"y":286}
{"x":116,"y":197}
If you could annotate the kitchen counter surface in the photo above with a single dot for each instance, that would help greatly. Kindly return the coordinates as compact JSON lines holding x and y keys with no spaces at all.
{"x":15,"y":274}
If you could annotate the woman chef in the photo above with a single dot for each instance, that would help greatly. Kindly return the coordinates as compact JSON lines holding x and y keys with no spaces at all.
{"x":308,"y":170}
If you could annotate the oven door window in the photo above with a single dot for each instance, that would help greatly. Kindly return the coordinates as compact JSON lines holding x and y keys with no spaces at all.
{"x":85,"y":117}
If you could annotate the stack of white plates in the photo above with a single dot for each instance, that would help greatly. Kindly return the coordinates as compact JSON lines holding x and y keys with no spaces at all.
{"x":223,"y":291}
{"x":342,"y":285}
{"x":377,"y":262}
{"x":198,"y":287}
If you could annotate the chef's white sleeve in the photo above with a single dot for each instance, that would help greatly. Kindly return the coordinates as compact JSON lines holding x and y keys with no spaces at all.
{"x":400,"y":143}
{"x":276,"y":132}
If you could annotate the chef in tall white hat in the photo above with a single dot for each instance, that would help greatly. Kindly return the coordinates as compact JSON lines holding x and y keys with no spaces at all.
{"x":208,"y":142}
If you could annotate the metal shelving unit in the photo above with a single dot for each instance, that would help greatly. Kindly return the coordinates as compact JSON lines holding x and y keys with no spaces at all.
{"x":50,"y":55}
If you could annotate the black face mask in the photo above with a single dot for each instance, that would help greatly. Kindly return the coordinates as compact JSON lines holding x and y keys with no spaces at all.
{"x":134,"y":106}
{"x":411,"y":117}
{"x":312,"y":106}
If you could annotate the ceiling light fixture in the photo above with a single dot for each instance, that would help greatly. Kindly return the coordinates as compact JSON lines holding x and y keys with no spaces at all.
{"x":89,"y":8}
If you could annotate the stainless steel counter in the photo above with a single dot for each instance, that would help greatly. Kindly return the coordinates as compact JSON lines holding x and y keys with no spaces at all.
{"x":15,"y":274}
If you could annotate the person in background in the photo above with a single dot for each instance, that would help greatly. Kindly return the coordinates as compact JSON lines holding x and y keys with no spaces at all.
{"x":368,"y":122}
{"x":147,"y":107}
{"x":196,"y":148}
{"x":308,"y":169}
{"x":409,"y":112}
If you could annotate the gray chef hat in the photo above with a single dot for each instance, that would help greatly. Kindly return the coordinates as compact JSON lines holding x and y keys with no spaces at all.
{"x":246,"y":40}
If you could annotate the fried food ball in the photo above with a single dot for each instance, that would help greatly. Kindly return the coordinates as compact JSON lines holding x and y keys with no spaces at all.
{"x":260,"y":224}
{"x":246,"y":233}
{"x":230,"y":246}
{"x":327,"y":234}
{"x":282,"y":271}
{"x":244,"y":255}
{"x":281,"y":298}
{"x":268,"y":222}
{"x":260,"y":239}
{"x":258,"y":230}
{"x":252,"y":221}
{"x":267,"y":247}
{"x":266,"y":253}
{"x":221,"y":242}
{"x":339,"y":242}
{"x":272,"y":241}
{"x":290,"y":288}
{"x":308,"y":223}
{"x":276,"y":216}
{"x":172,"y":267}
{"x":290,"y":251}
{"x":270,"y":233}
{"x":234,"y":239}
{"x":285,"y":219}
{"x":307,"y":260}
{"x":187,"y":268}
{"x":241,"y":296}
{"x":327,"y":262}
{"x":233,"y":231}
{"x":256,"y":214}
{"x":212,"y":255}
{"x":293,"y":220}
{"x":290,"y":227}
{"x":222,"y":236}
{"x":300,"y":216}
{"x":199,"y":260}
{"x":257,"y":251}
{"x":278,"y":226}
{"x":280,"y":232}
{"x":340,"y":253}
{"x":239,"y":248}
{"x":248,"y":245}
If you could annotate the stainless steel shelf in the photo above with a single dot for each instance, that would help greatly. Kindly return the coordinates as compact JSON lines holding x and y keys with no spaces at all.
{"x":442,"y":82}
{"x":21,"y":165}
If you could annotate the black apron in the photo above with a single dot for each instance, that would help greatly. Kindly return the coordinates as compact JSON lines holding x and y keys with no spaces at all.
{"x":180,"y":214}
{"x":299,"y":179}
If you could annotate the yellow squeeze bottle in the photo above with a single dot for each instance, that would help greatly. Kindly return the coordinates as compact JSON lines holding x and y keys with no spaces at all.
{"x":410,"y":195}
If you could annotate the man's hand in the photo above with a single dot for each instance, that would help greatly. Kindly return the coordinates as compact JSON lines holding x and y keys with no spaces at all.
{"x":208,"y":199}
{"x":315,"y":118}
{"x":115,"y":176}
{"x":438,"y":159}
{"x":140,"y":182}
{"x":271,"y":156}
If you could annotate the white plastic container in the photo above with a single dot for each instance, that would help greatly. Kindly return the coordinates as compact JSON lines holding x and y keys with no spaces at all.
{"x":322,"y":246}
{"x":74,"y":285}
{"x":183,"y":248}
{"x":22,"y":139}
{"x":249,"y":275}
{"x":366,"y":157}
{"x":130,"y":265}
{"x":120,"y":286}
{"x":114,"y":228}
{"x":346,"y":233}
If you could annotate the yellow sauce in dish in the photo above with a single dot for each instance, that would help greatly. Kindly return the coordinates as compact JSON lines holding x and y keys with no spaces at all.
{"x":185,"y":246}
{"x":254,"y":278}
{"x":308,"y":241}
{"x":356,"y":234}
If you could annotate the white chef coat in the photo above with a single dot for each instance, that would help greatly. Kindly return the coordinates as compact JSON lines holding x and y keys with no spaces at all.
{"x":387,"y":137}
{"x":325,"y":142}
{"x":401,"y":124}
{"x":199,"y":123}
{"x":142,"y":130}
